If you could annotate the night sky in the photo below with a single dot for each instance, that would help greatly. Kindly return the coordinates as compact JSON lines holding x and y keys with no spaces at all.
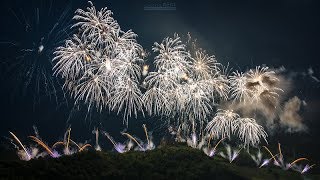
{"x":243,"y":33}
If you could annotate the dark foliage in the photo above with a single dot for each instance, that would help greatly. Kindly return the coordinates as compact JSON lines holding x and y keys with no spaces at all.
{"x":168,"y":162}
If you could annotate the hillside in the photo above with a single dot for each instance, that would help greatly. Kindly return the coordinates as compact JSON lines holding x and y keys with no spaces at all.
{"x":170,"y":162}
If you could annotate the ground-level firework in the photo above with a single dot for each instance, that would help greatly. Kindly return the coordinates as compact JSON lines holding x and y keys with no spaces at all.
{"x":231,"y":154}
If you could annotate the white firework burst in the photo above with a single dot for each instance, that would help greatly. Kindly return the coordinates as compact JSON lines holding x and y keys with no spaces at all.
{"x":101,"y":65}
{"x":197,"y":102}
{"x":93,"y":89}
{"x":249,"y":131}
{"x":223,"y":124}
{"x":156,"y":101}
{"x":73,"y":57}
{"x":256,"y":85}
{"x":172,"y":55}
{"x":239,"y":90}
{"x":262,"y":82}
{"x":96,"y":25}
{"x":186,"y":84}
{"x":126,"y":96}
{"x":204,"y":65}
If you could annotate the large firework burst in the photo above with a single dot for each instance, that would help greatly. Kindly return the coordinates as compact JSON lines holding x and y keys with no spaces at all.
{"x":101,"y":64}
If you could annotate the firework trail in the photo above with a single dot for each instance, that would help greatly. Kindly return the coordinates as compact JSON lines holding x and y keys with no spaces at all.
{"x":262,"y":162}
{"x":212,"y":152}
{"x":35,"y":139}
{"x":110,"y":138}
{"x":307,"y":168}
{"x":132,"y":138}
{"x":84,"y":147}
{"x":215,"y":147}
{"x":231,"y":154}
{"x":272,"y":156}
{"x":119,"y":147}
{"x":25,"y":150}
{"x":256,"y":158}
{"x":146,"y":133}
{"x":96,"y":133}
{"x":67,"y":141}
{"x":57,"y":143}
{"x":279,"y":161}
{"x":295,"y":161}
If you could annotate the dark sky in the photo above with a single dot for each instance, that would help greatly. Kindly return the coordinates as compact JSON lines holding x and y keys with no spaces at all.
{"x":243,"y":33}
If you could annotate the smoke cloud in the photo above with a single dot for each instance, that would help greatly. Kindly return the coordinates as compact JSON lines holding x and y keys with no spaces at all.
{"x":290,"y":118}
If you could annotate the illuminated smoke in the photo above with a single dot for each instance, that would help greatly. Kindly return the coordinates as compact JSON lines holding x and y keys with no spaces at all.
{"x":290,"y":117}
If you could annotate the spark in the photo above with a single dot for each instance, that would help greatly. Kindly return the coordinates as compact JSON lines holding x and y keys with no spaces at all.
{"x":132,"y":138}
{"x":57,"y":143}
{"x":297,"y":160}
{"x":146,"y":133}
{"x":215,"y":147}
{"x":119,"y":147}
{"x":307,"y":168}
{"x":25,"y":150}
{"x":35,"y":139}
{"x":84,"y":146}
{"x":232,"y":154}
{"x":267,"y":161}
{"x":110,"y":138}
{"x":75,"y":144}
{"x":280,"y":153}
{"x":68,"y":139}
{"x":96,"y":133}
{"x":272,"y":156}
{"x":145,"y":70}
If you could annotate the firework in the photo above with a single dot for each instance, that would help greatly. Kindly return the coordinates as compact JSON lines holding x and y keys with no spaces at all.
{"x":149,"y":142}
{"x":119,"y":147}
{"x":249,"y":131}
{"x":185,"y":84}
{"x":101,"y":65}
{"x":223,"y":124}
{"x":256,"y":158}
{"x":28,"y":157}
{"x":259,"y":85}
{"x":297,"y":160}
{"x":57,"y":143}
{"x":212,"y":152}
{"x":84,"y":147}
{"x":193,"y":141}
{"x":307,"y":168}
{"x":231,"y":154}
{"x":96,"y":133}
{"x":134,"y":139}
{"x":265,"y":162}
{"x":239,"y":90}
{"x":279,"y":160}
{"x":40,"y":30}
{"x":172,"y":55}
{"x":52,"y":154}
{"x":97,"y":25}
